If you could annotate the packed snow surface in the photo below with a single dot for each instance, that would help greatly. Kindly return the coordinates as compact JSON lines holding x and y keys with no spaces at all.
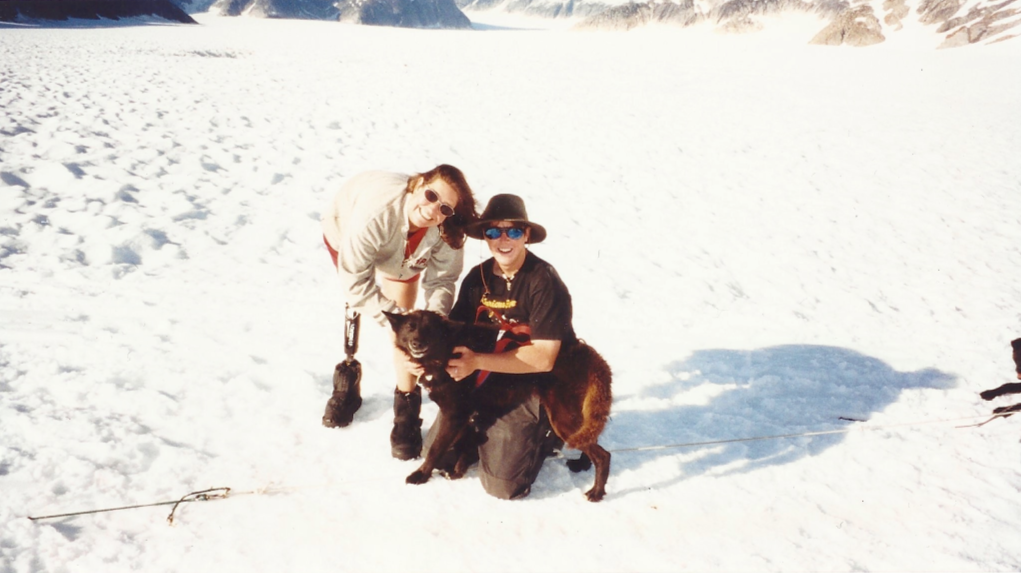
{"x":764,"y":238}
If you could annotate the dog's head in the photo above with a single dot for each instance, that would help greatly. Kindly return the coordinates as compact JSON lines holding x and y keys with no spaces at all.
{"x":425,"y":336}
{"x":1017,"y":356}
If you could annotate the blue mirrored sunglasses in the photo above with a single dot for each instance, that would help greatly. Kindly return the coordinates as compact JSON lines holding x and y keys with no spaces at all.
{"x":513,"y":233}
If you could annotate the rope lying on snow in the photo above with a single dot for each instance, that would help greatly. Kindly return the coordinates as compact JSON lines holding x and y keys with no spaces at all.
{"x":211,"y":494}
{"x":810,"y":434}
{"x":204,"y":495}
{"x":223,"y":492}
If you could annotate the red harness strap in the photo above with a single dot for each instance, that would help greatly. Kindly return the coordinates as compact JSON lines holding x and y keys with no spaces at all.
{"x":514,"y":335}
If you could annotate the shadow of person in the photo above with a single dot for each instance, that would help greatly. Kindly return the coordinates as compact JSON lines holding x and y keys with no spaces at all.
{"x":718,"y":395}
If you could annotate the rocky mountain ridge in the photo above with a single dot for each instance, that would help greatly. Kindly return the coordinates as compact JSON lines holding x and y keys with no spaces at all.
{"x":842,"y":22}
{"x":400,"y":13}
{"x":299,"y":9}
{"x":848,"y":22}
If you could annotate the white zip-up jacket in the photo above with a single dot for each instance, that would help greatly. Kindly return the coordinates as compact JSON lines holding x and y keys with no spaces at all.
{"x":366,"y":224}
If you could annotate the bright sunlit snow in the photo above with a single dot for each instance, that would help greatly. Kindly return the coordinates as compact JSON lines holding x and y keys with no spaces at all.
{"x":761,"y":236}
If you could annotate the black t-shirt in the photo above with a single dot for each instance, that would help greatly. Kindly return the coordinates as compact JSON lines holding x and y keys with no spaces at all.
{"x":536,"y":297}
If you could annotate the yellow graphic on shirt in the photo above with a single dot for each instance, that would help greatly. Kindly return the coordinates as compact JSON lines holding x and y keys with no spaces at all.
{"x":497,"y":304}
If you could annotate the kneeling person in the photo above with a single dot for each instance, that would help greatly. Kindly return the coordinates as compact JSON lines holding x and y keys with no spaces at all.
{"x":525,"y":296}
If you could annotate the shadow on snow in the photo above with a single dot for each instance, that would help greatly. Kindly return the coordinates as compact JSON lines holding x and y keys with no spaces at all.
{"x":730,"y":394}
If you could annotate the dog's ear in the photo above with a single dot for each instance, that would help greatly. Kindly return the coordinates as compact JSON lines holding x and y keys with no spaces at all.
{"x":453,"y":328}
{"x":396,"y":320}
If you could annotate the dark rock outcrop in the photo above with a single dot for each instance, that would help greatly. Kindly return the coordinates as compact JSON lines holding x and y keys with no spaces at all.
{"x":896,"y":11}
{"x":849,"y":22}
{"x":403,"y":13}
{"x":741,"y":9}
{"x":985,"y":21}
{"x":936,"y":11}
{"x":857,"y":26}
{"x":631,"y":15}
{"x":20,"y":10}
{"x":194,"y":6}
{"x":620,"y":18}
{"x":978,"y":24}
{"x":727,"y":15}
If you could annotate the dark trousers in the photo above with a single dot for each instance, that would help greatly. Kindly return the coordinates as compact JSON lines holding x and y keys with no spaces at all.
{"x":513,"y":452}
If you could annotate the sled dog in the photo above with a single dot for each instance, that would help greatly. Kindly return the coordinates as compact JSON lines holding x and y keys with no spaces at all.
{"x":576,"y":398}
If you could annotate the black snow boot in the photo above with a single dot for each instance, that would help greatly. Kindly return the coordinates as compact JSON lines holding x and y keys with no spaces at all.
{"x":406,"y":437}
{"x":347,"y":394}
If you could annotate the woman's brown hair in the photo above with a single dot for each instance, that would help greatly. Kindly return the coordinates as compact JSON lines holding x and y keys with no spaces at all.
{"x":465,"y":212}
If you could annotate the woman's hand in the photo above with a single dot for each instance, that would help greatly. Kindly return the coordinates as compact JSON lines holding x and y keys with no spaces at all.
{"x":405,"y":361}
{"x":461,"y":368}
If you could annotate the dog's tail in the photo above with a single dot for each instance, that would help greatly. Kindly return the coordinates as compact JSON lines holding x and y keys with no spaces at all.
{"x":595,"y":406}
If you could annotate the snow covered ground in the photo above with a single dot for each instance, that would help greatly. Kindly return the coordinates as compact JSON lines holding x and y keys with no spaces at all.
{"x":762,"y":237}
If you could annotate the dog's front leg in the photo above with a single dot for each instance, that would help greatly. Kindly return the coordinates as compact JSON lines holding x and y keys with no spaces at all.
{"x":450,"y":429}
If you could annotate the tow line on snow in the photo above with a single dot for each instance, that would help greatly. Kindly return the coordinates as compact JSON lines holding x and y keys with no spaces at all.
{"x":223,"y":492}
{"x":1002,"y":413}
{"x":204,"y":495}
{"x":811,"y":434}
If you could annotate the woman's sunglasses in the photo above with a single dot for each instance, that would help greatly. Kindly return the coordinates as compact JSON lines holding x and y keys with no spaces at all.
{"x":433,"y":197}
{"x":513,"y":233}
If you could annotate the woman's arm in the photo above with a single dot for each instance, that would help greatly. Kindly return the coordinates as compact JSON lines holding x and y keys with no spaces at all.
{"x":441,"y":274}
{"x":356,"y":268}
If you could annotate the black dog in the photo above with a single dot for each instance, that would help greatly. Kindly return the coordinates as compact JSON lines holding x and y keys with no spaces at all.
{"x":1012,"y":388}
{"x":577,"y":400}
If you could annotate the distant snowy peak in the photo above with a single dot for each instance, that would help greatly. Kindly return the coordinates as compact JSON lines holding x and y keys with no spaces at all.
{"x":301,"y":9}
{"x":959,"y":22}
{"x":841,"y":22}
{"x":401,"y":13}
{"x":546,"y":8}
{"x":404,"y":13}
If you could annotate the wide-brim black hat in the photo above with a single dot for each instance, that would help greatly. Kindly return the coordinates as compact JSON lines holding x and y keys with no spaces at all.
{"x":505,"y":207}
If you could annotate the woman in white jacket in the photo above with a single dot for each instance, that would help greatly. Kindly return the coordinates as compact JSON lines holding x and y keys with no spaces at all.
{"x":388,"y":233}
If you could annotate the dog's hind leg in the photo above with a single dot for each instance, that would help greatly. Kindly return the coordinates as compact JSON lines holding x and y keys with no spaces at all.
{"x":1011,"y":388}
{"x":601,"y":459}
{"x":578,"y":405}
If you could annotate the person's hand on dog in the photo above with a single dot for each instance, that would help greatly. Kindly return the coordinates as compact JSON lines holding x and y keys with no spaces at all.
{"x":463,"y":363}
{"x":414,"y":368}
